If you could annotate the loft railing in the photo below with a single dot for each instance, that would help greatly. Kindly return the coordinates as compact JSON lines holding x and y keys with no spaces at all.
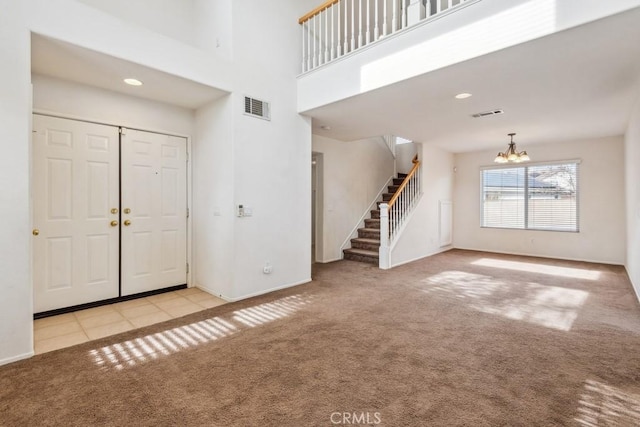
{"x":394,"y":213}
{"x":338,"y":27}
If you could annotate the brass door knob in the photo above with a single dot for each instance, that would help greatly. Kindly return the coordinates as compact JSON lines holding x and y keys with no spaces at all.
{"x":114,"y":210}
{"x":127,"y":222}
{"x":114,"y":223}
{"x":127,"y":210}
{"x":35,"y":232}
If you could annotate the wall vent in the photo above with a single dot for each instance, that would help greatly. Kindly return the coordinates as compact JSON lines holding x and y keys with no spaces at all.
{"x":487,"y":113}
{"x":257,"y":108}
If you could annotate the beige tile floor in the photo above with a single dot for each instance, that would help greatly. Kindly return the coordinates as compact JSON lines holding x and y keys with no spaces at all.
{"x":64,"y":330}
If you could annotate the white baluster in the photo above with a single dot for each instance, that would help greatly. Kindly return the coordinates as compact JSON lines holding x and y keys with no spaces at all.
{"x":428,"y":11}
{"x":383,"y":252}
{"x":384,"y":18}
{"x":394,"y":19}
{"x":312,"y":22}
{"x":376,"y":24}
{"x":353,"y":26}
{"x":304,"y":48}
{"x":319,"y":37}
{"x":439,"y":6}
{"x":308,"y":45}
{"x":346,"y":27}
{"x":360,"y":23}
{"x":333,"y":33}
{"x":326,"y":35}
{"x":339,"y":44}
{"x":404,"y":13}
{"x":368,"y":34}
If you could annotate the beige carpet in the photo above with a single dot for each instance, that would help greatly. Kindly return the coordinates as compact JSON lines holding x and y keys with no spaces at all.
{"x":462,"y":338}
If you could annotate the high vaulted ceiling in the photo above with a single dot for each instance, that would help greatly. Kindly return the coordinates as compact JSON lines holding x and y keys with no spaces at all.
{"x":578,"y":83}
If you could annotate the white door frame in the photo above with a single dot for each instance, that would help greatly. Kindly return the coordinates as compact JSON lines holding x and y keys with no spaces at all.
{"x":191,"y":270}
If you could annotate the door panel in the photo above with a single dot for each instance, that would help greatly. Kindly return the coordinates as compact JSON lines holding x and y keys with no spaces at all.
{"x":75,"y":186}
{"x":154,"y":200}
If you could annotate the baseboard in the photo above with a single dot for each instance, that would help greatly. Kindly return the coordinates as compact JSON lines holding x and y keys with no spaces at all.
{"x":16,"y":358}
{"x":326,"y":261}
{"x":439,"y":251}
{"x":266,"y":291}
{"x":210,"y":291}
{"x":538,"y":256}
{"x":636,"y":288}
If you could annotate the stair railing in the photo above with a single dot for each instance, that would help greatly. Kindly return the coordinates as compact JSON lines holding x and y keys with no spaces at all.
{"x":338,"y":27}
{"x":394,"y":213}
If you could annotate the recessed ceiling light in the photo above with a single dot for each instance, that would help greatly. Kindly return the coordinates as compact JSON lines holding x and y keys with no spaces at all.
{"x":463,"y":95}
{"x":133,"y":82}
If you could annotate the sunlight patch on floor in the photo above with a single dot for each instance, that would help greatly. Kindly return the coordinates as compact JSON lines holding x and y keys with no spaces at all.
{"x":150,"y":347}
{"x":604,"y":405}
{"x":543,"y":305}
{"x":552,"y":270}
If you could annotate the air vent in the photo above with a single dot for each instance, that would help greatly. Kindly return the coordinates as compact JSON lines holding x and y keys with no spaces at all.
{"x":256,"y":108}
{"x":487,"y":113}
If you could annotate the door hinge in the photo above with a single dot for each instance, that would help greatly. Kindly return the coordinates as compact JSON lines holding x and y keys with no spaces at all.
{"x":187,"y":267}
{"x":187,"y":212}
{"x":123,"y":131}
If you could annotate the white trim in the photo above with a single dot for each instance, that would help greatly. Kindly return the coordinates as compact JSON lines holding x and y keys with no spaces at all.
{"x":266,"y":291}
{"x":49,"y":113}
{"x":439,"y":251}
{"x":326,"y":261}
{"x":16,"y":358}
{"x":539,"y":256}
{"x":526,"y":164}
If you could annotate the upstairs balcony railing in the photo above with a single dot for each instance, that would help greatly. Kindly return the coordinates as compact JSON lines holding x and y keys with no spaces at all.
{"x":338,"y":27}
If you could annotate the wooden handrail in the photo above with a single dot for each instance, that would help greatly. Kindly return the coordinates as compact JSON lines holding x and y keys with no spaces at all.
{"x":324,"y":6}
{"x":414,"y":169}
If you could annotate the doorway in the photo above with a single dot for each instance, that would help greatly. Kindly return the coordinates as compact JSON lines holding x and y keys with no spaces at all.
{"x":109,"y":212}
{"x":317,"y":247}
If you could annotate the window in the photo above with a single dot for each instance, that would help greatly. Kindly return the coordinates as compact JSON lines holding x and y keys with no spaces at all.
{"x":533,"y":197}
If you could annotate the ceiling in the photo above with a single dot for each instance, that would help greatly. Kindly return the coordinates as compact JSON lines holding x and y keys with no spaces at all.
{"x":69,"y":62}
{"x":578,"y":83}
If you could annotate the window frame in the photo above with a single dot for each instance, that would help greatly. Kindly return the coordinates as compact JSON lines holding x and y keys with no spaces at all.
{"x":525,"y":166}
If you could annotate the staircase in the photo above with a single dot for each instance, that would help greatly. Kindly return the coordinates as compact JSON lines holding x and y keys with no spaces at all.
{"x":364,"y":248}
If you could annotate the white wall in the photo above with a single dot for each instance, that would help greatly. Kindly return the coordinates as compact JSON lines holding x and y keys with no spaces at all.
{"x":263,"y":165}
{"x":173,"y":18}
{"x":89,"y":103}
{"x":16,"y":324}
{"x":404,"y":156}
{"x":354,"y":174}
{"x":601,"y":205}
{"x":632,"y":160}
{"x":213,"y":190}
{"x":480,"y":28}
{"x":421,"y":235}
{"x":213,"y":26}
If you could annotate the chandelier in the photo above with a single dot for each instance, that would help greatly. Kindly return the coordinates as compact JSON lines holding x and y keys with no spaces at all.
{"x":512,"y":154}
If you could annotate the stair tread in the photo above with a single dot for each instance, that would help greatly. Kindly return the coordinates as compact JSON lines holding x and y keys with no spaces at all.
{"x":362,"y":252}
{"x":366,"y":240}
{"x":376,"y":230}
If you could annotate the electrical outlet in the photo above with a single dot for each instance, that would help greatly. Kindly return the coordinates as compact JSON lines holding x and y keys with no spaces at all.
{"x":268,"y":268}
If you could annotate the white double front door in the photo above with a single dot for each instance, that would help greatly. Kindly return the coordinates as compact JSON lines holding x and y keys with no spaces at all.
{"x":109,"y":212}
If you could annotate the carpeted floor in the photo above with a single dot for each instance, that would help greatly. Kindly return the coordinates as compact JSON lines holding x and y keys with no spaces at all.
{"x":458,"y":339}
